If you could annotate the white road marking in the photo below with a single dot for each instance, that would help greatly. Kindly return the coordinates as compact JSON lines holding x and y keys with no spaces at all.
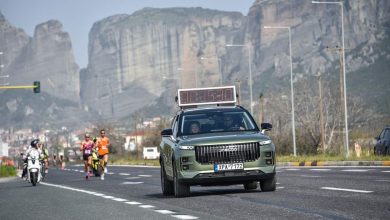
{"x":108,"y":197}
{"x":320,"y":169}
{"x":120,"y":200}
{"x":310,"y":176}
{"x":184,"y":216}
{"x":354,"y":170}
{"x":280,"y":187}
{"x":132,"y":178}
{"x":293,"y":169}
{"x":147,"y":206}
{"x":165,"y":212}
{"x":382,"y":180}
{"x":145,"y":175}
{"x":99,"y":194}
{"x":133,"y":203}
{"x":386,"y":171}
{"x":124,"y":174}
{"x":277,"y":183}
{"x":81,"y":171}
{"x":131,"y":183}
{"x":110,"y":173}
{"x":347,"y":190}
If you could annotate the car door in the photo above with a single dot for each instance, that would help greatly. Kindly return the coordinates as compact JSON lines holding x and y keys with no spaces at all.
{"x":386,"y":141}
{"x":168,"y":147}
{"x":379,"y":144}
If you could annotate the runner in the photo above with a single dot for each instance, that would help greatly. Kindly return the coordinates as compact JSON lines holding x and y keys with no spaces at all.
{"x":86,"y":149}
{"x":45,"y":156}
{"x":103,"y":143}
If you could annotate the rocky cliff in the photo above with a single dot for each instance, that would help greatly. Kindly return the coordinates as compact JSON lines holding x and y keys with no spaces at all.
{"x":149,"y":49}
{"x":46,"y":57}
{"x":156,"y":48}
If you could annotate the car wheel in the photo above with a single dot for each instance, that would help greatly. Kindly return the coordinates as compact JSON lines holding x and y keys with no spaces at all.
{"x":166,"y":185}
{"x":250,"y":186}
{"x":180,"y":189}
{"x":268,"y":184}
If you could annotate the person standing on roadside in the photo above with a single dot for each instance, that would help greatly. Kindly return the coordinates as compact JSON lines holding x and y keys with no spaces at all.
{"x":103,"y":143}
{"x":86,"y":148}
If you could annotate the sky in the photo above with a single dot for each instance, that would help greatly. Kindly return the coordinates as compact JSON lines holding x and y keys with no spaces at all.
{"x":78,"y":16}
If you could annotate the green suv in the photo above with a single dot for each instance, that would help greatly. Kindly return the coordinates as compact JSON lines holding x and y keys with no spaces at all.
{"x":219,"y":145}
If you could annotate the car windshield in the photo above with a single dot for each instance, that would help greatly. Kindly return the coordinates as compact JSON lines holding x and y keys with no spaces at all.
{"x":211,"y":122}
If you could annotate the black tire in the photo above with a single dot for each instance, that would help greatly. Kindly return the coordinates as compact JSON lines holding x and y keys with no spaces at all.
{"x":268,"y":184}
{"x":34,"y":178}
{"x":251,"y":185}
{"x":180,"y":189}
{"x":166,"y":185}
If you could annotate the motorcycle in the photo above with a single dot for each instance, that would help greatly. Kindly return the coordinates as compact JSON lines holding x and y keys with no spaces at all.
{"x":96,"y":170}
{"x":34,"y":168}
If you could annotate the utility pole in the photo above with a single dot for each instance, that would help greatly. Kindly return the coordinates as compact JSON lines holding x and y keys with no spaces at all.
{"x":322,"y":129}
{"x":261,"y":102}
{"x":238,"y":82}
{"x":339,"y":50}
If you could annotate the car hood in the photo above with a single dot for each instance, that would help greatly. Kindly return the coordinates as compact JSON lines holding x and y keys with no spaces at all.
{"x":223,"y":138}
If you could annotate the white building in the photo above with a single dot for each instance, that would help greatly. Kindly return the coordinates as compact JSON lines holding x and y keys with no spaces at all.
{"x":3,"y":149}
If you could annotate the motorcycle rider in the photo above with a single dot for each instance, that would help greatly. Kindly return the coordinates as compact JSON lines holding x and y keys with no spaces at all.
{"x":103,"y":144}
{"x":86,"y":147}
{"x":33,"y":146}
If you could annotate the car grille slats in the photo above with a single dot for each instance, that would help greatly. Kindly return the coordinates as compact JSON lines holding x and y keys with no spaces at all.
{"x":231,"y":153}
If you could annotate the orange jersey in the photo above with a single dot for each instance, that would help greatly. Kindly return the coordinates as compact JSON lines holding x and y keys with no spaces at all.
{"x":103,"y":145}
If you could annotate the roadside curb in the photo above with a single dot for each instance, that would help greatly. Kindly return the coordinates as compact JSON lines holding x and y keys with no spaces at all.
{"x":333,"y":163}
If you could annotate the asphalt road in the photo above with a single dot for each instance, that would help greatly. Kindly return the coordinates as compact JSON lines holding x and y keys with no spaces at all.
{"x":134,"y":193}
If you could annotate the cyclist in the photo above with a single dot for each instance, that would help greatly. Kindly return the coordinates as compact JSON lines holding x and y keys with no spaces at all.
{"x":103,"y":143}
{"x":86,"y":148}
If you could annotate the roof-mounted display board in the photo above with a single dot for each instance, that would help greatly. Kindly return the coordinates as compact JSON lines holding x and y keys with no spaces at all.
{"x":207,"y":96}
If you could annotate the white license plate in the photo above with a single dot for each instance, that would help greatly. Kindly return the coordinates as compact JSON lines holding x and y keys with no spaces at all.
{"x":228,"y":166}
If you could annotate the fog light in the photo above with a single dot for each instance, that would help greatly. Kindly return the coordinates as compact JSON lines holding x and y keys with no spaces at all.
{"x":184,"y":159}
{"x":268,"y":161}
{"x":185,"y":167}
{"x":268,"y":154}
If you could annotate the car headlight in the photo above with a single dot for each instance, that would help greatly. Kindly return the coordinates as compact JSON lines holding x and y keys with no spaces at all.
{"x":185,"y":147}
{"x":265,"y":142}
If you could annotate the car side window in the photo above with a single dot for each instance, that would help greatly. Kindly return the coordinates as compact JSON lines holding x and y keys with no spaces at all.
{"x":387,"y":134}
{"x":382,"y":134}
{"x":174,"y":126}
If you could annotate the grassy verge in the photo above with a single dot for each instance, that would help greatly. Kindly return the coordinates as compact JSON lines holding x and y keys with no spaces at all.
{"x":6,"y":171}
{"x":302,"y":158}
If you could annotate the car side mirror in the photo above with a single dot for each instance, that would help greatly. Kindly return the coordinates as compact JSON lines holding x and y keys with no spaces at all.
{"x":266,"y":127}
{"x":166,"y":132}
{"x":377,"y":138}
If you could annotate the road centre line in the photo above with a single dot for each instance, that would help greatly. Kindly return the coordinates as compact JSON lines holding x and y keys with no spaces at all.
{"x":347,"y":190}
{"x":132,"y":178}
{"x":108,"y":197}
{"x":133,"y":203}
{"x":280,"y":187}
{"x":131,"y":183}
{"x":145,"y":175}
{"x":124,"y":174}
{"x":147,"y":206}
{"x":310,"y":176}
{"x":320,"y":169}
{"x":162,"y":211}
{"x":383,"y":181}
{"x":385,"y":171}
{"x":354,"y":170}
{"x":120,"y":200}
{"x":293,"y":169}
{"x":185,"y":217}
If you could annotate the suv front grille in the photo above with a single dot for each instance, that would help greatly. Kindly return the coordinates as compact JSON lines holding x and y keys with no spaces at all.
{"x":230,"y":153}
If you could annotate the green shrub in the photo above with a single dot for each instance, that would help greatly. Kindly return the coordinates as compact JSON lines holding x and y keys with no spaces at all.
{"x":7,"y":171}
